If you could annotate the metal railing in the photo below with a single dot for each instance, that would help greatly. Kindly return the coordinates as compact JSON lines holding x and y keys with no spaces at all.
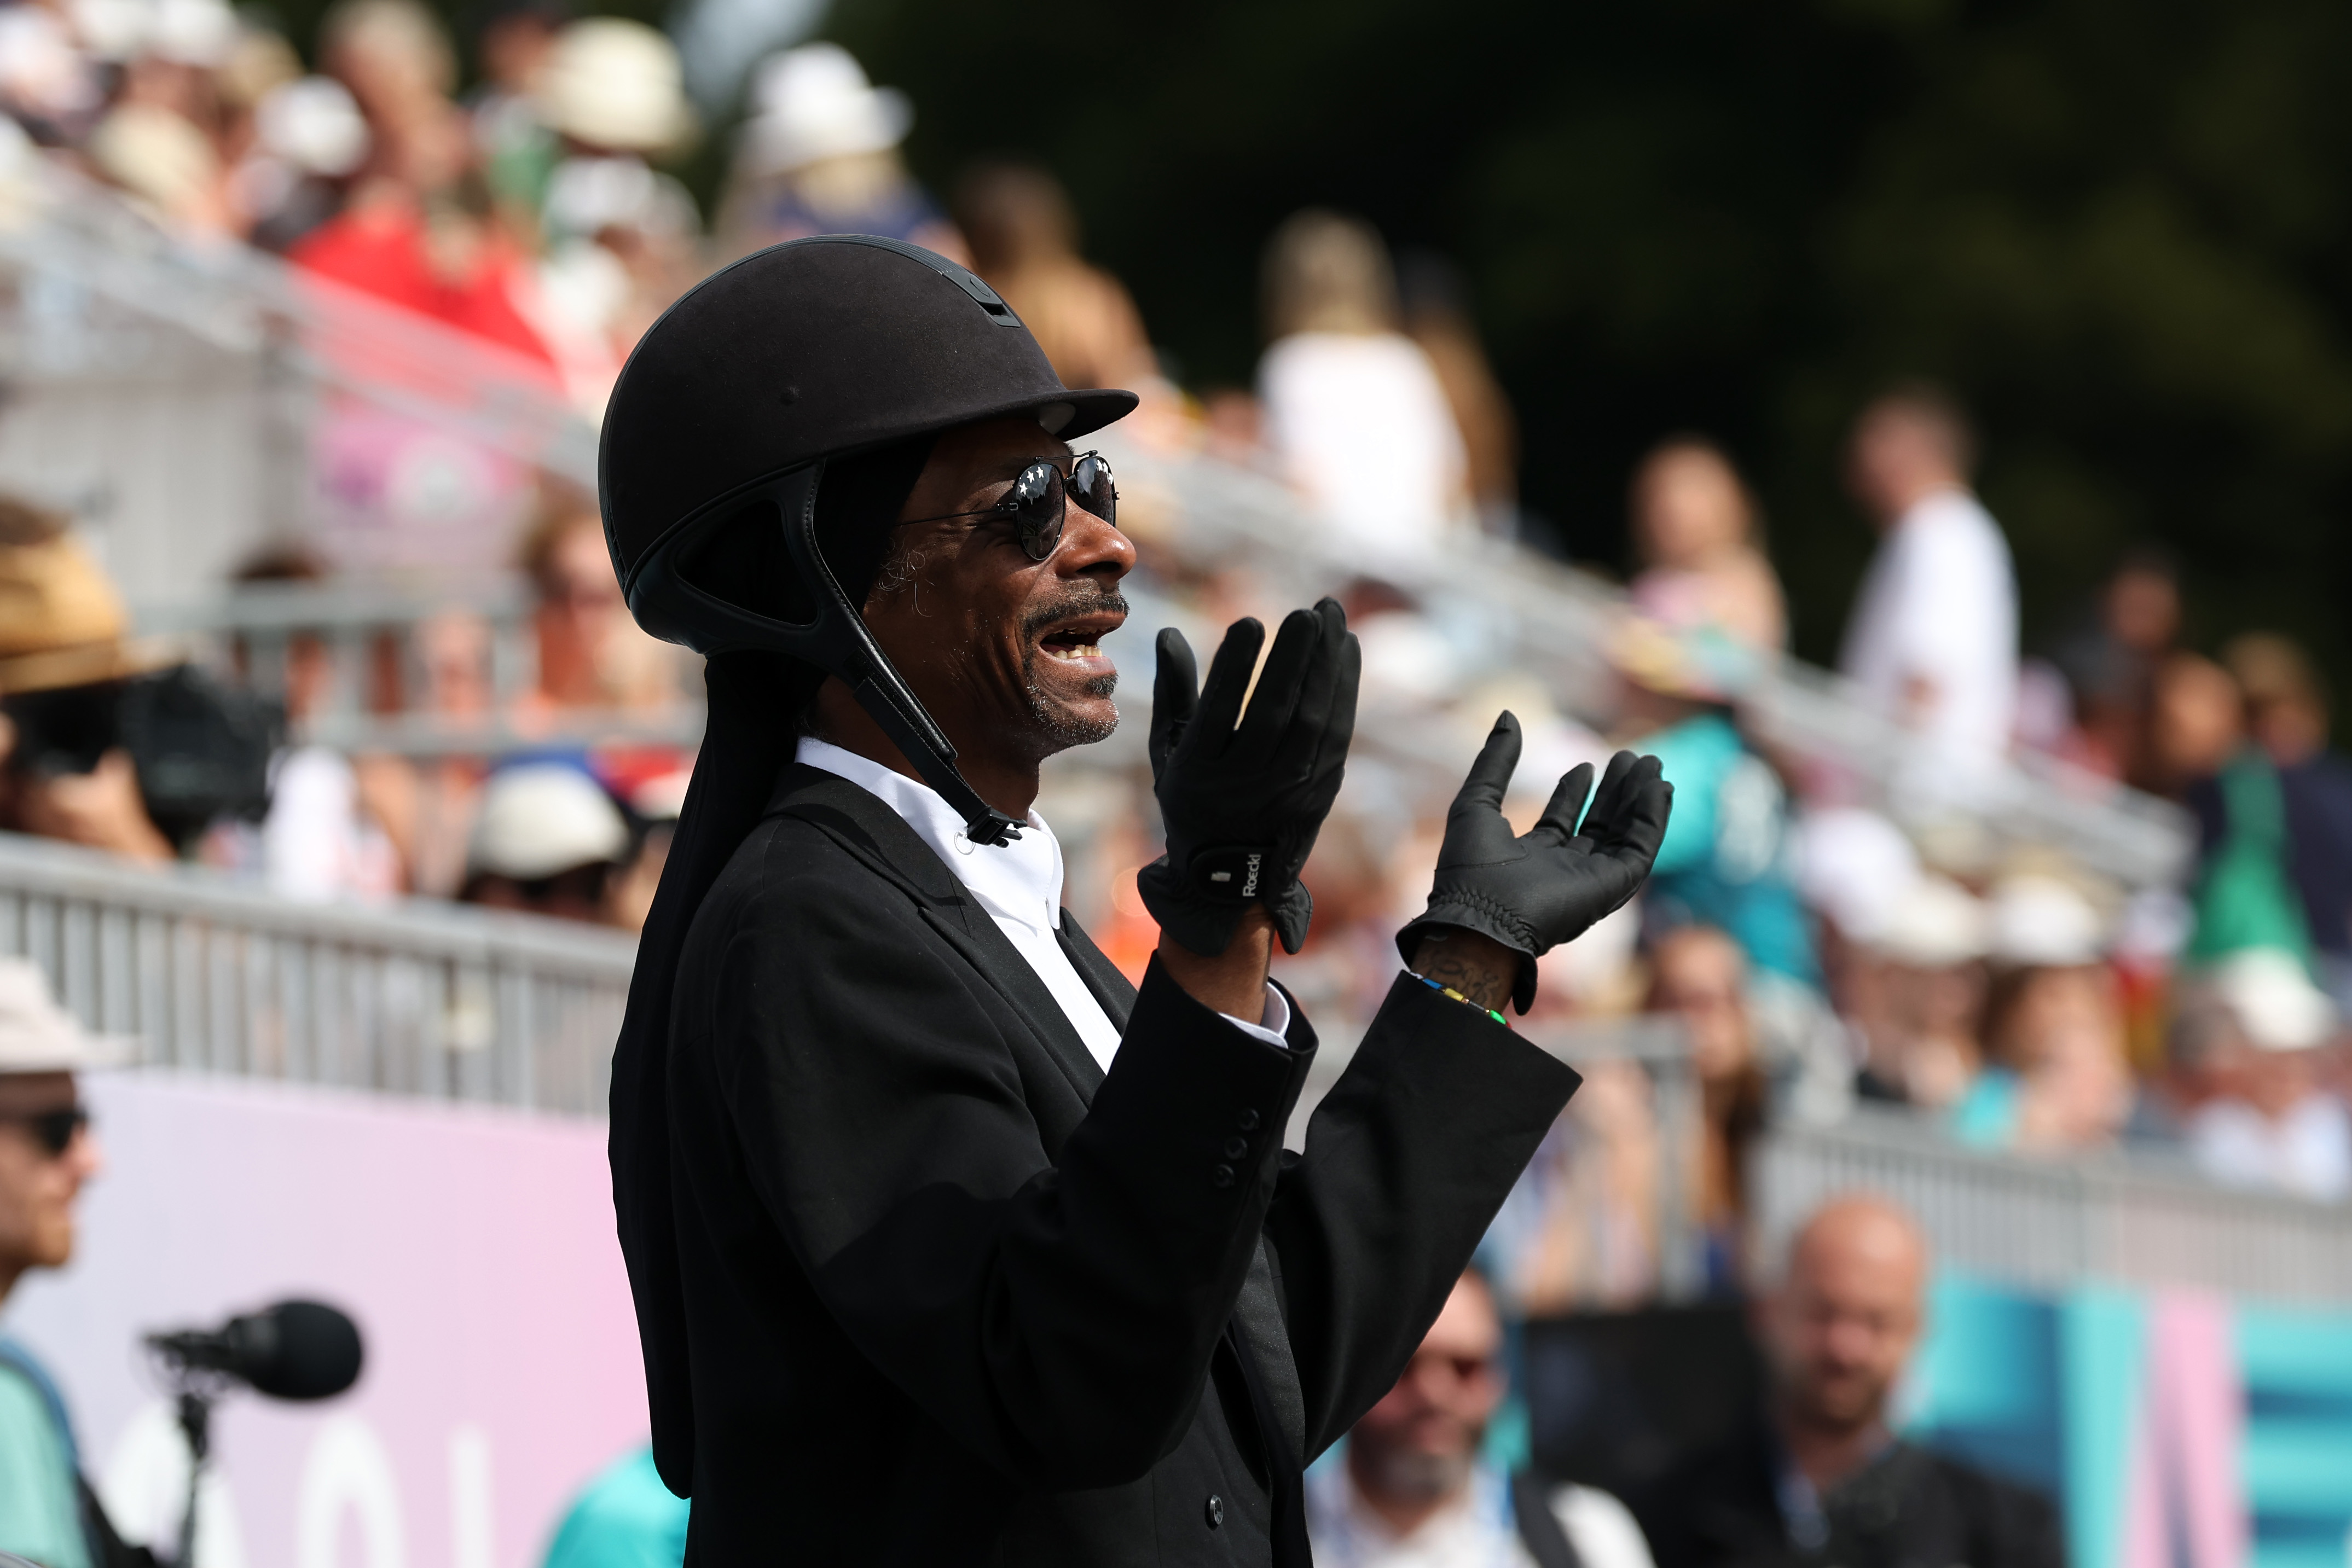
{"x":432,"y":999}
{"x":2045,"y":1224}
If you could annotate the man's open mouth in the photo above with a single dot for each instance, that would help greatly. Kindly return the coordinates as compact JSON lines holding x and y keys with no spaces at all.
{"x":1079,"y":637}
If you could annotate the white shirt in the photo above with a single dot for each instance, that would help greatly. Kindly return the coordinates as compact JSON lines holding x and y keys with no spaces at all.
{"x":1362,"y":428}
{"x":1939,"y":605}
{"x":1018,"y":883}
{"x":2306,"y":1151}
{"x":1477,"y":1530}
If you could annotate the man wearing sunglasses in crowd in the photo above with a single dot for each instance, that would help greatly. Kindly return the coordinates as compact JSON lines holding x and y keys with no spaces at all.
{"x":46,"y":1153}
{"x":949,"y":1245}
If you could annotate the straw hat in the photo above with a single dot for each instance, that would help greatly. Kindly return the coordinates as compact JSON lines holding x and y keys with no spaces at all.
{"x":61,"y":622}
{"x":542,"y":817}
{"x":2039,"y":919}
{"x":815,"y":102}
{"x":614,"y":84}
{"x":38,"y":1036}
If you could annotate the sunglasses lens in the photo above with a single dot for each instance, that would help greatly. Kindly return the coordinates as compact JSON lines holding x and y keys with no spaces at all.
{"x":1037,"y":502}
{"x":54,"y":1130}
{"x":1091,"y":487}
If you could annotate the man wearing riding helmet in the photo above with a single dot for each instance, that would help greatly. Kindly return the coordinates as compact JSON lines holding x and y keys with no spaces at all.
{"x":948,"y":1246}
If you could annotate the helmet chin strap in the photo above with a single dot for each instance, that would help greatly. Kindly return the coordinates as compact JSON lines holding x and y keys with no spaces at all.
{"x":836,"y":640}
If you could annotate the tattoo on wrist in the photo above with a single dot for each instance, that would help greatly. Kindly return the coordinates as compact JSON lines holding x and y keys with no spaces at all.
{"x":1474,"y":975}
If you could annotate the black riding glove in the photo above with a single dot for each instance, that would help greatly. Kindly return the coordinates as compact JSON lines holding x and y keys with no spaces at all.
{"x":1534,"y":893}
{"x":1242,"y":805}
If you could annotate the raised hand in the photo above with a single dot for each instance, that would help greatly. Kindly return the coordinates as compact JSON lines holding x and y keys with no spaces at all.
{"x":1532,"y":891}
{"x":1242,"y":794}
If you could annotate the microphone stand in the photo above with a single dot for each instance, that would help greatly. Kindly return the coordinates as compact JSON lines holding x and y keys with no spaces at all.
{"x":196,"y":1402}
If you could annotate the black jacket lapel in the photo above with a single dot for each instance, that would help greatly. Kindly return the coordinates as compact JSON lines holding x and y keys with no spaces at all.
{"x":879,"y":837}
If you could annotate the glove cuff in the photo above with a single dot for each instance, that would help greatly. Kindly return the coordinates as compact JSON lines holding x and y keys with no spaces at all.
{"x":1469,"y":912}
{"x":1195,"y":921}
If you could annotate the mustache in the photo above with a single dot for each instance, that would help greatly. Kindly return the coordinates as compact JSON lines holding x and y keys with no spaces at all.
{"x":1078,"y":601}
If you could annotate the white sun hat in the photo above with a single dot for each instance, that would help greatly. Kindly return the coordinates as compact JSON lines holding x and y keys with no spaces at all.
{"x":542,"y":817}
{"x":38,"y":1036}
{"x":1935,"y":924}
{"x":2274,"y":999}
{"x":615,"y":83}
{"x":2041,"y":920}
{"x":815,"y":102}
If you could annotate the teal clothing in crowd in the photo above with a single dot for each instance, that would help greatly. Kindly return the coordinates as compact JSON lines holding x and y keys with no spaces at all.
{"x":626,"y":1518}
{"x":1723,"y":860}
{"x":40,"y":1495}
{"x":1986,"y":1116}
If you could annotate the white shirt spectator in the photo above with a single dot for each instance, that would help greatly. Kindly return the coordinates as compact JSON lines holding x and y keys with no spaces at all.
{"x":1475,"y":1532}
{"x":316,"y":845}
{"x":1939,"y":608}
{"x":1018,"y":883}
{"x":1360,"y":425}
{"x":2308,"y":1151}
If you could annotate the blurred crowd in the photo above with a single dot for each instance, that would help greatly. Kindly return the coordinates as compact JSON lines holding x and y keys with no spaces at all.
{"x":1820,"y":942}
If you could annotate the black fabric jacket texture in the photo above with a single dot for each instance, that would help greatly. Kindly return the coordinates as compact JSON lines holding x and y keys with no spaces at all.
{"x":1909,"y":1507}
{"x":953,"y":1295}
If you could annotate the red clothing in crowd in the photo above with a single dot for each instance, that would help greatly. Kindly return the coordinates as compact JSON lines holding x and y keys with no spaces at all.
{"x":382,"y":251}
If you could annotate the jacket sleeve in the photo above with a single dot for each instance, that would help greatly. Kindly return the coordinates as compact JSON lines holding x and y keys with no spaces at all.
{"x":1406,"y":1161}
{"x":1057,"y":1319}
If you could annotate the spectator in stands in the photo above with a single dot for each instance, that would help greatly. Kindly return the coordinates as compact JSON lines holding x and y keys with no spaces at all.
{"x":2195,"y":723}
{"x":1354,"y":415}
{"x":2245,"y":894}
{"x":1932,"y":641}
{"x":64,"y":654}
{"x":1932,"y":947}
{"x":157,"y":139}
{"x":325,"y":836}
{"x":2286,"y":716}
{"x":2110,"y":665}
{"x":1413,"y":1490}
{"x":1024,"y":241}
{"x":2058,"y":1080}
{"x":1580,"y":1229}
{"x":1437,"y":316}
{"x":591,"y":654}
{"x":1698,"y":975}
{"x":1695,"y":526}
{"x":418,"y":228}
{"x":2253,"y":1027}
{"x":621,"y":238}
{"x":1818,"y":1477}
{"x":547,"y":842}
{"x":48,"y":1512}
{"x":819,"y":155}
{"x":518,"y":150}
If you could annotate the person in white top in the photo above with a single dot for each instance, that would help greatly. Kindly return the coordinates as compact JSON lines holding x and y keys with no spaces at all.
{"x":1354,"y":414}
{"x":1932,"y":641}
{"x":1411,"y":1491}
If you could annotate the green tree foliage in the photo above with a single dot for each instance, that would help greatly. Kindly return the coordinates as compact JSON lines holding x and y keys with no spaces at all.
{"x":2118,"y":231}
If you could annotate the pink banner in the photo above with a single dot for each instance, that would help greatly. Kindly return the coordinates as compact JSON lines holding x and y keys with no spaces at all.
{"x":475,"y":1248}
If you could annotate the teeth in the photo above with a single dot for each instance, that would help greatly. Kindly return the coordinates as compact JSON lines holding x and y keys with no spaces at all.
{"x":1077,"y":651}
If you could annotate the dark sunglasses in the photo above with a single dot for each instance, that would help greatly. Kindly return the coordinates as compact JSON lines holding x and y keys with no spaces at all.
{"x":55,"y":1131}
{"x":1038,"y":502}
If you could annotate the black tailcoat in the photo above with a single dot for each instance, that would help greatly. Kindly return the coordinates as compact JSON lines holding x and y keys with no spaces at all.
{"x":953,"y":1295}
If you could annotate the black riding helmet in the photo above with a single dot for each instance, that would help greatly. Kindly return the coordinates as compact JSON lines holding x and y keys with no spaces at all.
{"x":732,"y":404}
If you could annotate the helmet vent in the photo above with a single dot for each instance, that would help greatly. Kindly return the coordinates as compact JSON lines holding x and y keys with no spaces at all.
{"x":988,"y":298}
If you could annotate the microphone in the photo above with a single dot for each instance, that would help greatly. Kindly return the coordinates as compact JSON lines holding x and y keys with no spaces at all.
{"x":295,"y":1350}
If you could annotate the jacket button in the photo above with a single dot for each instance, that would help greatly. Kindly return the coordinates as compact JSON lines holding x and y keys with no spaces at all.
{"x":1214,"y":1511}
{"x":1236,"y":1149}
{"x":1220,"y":1175}
{"x":1246,"y":1121}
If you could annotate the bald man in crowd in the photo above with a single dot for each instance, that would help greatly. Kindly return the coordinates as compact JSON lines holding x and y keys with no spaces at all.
{"x":1820,"y":1478}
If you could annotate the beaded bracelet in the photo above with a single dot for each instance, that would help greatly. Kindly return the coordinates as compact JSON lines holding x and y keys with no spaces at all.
{"x":1457,"y":996}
